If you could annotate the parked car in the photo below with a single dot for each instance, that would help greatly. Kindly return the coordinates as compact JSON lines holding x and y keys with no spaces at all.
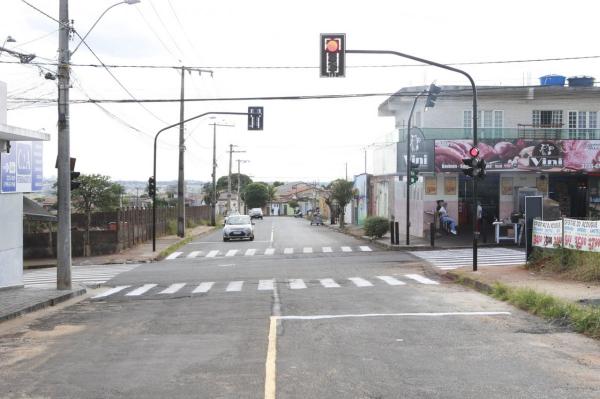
{"x":255,"y":213}
{"x":238,"y":226}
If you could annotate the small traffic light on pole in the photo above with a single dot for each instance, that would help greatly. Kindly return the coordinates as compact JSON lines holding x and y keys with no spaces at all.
{"x":74,"y":182}
{"x":333,"y":55}
{"x":414,"y":172}
{"x":432,"y":95}
{"x":475,"y":165}
{"x":151,"y":186}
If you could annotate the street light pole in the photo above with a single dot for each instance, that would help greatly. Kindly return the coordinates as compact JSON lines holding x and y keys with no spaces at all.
{"x":409,"y":166}
{"x":63,"y":242}
{"x":239,"y":181}
{"x":213,"y":213}
{"x":474,"y":89}
{"x":181,"y":178}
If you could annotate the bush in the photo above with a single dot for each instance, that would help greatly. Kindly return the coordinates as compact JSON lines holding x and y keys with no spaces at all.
{"x":376,"y":226}
{"x":578,"y":265}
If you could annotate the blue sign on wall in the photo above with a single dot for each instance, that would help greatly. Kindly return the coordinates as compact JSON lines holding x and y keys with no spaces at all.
{"x":22,"y":170}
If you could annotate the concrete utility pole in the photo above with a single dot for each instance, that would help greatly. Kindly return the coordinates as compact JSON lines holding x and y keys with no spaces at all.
{"x":231,"y":151}
{"x":181,"y":176}
{"x":239,"y":182}
{"x":63,"y":242}
{"x":213,"y":213}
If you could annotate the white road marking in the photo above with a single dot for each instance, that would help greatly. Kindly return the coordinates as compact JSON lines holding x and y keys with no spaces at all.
{"x":269,"y":251}
{"x":203,"y":287}
{"x":297,"y":284}
{"x":441,"y":314}
{"x":391,"y":280}
{"x":234,"y":286}
{"x":266,"y":285}
{"x":421,"y":279}
{"x":231,"y":252}
{"x":173,"y":288}
{"x":307,"y":250}
{"x":250,"y":252}
{"x":329,"y":283}
{"x":360,"y":282}
{"x":111,"y":291}
{"x":327,"y":249}
{"x":346,"y":249}
{"x":212,"y":254}
{"x":365,"y":248}
{"x":174,"y":255}
{"x":288,"y":251}
{"x":194,"y":254}
{"x":142,"y":290}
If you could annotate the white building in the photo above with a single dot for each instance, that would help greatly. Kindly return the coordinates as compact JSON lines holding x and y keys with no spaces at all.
{"x":20,"y":171}
{"x":544,"y":139}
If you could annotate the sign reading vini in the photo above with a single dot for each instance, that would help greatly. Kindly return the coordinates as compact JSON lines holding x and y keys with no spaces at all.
{"x":21,"y":170}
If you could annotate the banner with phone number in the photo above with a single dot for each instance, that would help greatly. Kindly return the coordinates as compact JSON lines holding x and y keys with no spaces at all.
{"x":547,"y":234}
{"x":582,"y":235}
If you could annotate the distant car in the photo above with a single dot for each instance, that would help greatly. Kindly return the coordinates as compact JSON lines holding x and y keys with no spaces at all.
{"x":238,"y":226}
{"x":255,"y":213}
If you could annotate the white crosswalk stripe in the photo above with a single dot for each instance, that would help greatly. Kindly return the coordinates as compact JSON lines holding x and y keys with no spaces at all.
{"x":269,"y":251}
{"x":455,"y":258}
{"x":288,"y":251}
{"x":421,"y":279}
{"x":327,"y":249}
{"x":266,"y":285}
{"x":360,"y":282}
{"x":365,"y":248}
{"x":391,"y":280}
{"x":203,"y":287}
{"x":346,"y":249}
{"x":250,"y":252}
{"x":79,"y":274}
{"x":297,"y":284}
{"x":212,"y":254}
{"x":329,"y":283}
{"x":141,"y":290}
{"x":231,"y":252}
{"x":194,"y":254}
{"x":173,"y":288}
{"x":307,"y":250}
{"x":174,"y":255}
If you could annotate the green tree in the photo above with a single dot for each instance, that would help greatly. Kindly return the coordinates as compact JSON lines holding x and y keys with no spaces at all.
{"x":208,"y":191}
{"x":95,"y":194}
{"x":256,"y":195}
{"x":272,"y":190}
{"x":277,"y":183}
{"x":342,"y":192}
{"x":293,"y":204}
{"x":222,"y":182}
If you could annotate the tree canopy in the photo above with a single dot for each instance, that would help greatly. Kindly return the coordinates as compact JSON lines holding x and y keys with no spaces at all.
{"x":96,"y":193}
{"x":222,"y":182}
{"x":256,"y":195}
{"x":342,"y":192}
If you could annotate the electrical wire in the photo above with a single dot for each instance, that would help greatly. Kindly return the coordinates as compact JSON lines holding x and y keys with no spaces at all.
{"x":166,"y":29}
{"x":156,"y":35}
{"x":185,"y":34}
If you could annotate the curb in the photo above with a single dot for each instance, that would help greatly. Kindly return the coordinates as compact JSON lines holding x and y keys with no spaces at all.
{"x":44,"y":304}
{"x":182,"y":242}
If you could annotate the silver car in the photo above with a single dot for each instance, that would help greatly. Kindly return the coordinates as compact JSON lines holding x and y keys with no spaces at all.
{"x":238,"y":226}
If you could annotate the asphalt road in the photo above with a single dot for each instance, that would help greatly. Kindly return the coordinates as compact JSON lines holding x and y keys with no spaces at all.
{"x":301,"y":312}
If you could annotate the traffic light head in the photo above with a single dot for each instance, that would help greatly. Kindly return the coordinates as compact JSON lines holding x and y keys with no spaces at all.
{"x":474,"y":152}
{"x":151,"y":186}
{"x":333,"y":55}
{"x":74,"y":182}
{"x":475,"y":166}
{"x":432,"y":95}
{"x":414,"y":173}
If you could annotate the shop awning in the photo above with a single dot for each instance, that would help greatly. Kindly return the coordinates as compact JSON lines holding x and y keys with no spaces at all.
{"x":33,"y":211}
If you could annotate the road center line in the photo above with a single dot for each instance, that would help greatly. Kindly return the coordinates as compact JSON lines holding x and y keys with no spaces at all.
{"x":434,"y":314}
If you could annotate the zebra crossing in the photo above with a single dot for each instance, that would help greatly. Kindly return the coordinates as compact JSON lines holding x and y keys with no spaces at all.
{"x":46,"y":278}
{"x":454,"y":258}
{"x":266,"y":252}
{"x":266,"y":285}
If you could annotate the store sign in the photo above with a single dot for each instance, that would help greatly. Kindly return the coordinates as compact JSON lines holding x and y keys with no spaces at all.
{"x":521,"y":155}
{"x":421,"y":153}
{"x":582,"y":235}
{"x":21,"y":170}
{"x":547,"y":234}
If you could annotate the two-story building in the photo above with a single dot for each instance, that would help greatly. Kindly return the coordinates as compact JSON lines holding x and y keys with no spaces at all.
{"x":536,"y":139}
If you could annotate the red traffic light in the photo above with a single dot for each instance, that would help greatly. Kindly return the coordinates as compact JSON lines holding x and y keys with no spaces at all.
{"x":332,"y":46}
{"x":474,"y":151}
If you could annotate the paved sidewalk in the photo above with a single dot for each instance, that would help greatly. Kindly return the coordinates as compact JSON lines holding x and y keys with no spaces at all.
{"x":141,"y":253}
{"x":15,"y":302}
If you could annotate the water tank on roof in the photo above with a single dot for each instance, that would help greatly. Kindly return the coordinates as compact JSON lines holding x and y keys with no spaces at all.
{"x":552,"y":80}
{"x":581,"y":81}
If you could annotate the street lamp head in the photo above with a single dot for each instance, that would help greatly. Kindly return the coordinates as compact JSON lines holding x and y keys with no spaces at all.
{"x":10,"y":39}
{"x":131,"y":1}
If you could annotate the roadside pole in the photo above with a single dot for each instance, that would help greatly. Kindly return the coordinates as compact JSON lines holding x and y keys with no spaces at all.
{"x":231,"y":152}
{"x":181,"y":176}
{"x":409,"y":166}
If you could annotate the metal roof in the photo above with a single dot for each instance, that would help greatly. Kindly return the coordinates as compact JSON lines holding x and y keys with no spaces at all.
{"x":13,"y":133}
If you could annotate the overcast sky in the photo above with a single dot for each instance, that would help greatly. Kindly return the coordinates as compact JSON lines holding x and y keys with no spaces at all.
{"x":303,"y":140}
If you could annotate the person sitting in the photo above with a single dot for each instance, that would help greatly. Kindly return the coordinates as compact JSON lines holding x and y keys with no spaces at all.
{"x":444,"y":218}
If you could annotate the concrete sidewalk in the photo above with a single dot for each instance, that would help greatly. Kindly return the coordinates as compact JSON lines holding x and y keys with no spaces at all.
{"x":141,"y":253}
{"x":15,"y":302}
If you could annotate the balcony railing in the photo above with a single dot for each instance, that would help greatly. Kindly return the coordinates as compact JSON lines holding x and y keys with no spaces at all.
{"x":521,"y":132}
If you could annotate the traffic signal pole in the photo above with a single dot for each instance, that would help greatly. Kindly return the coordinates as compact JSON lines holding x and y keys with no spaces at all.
{"x":408,"y":167}
{"x":474,"y":89}
{"x":154,"y":161}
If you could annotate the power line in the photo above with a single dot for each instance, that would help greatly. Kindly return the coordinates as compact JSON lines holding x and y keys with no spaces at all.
{"x":185,"y":34}
{"x":156,"y":35}
{"x":166,"y":29}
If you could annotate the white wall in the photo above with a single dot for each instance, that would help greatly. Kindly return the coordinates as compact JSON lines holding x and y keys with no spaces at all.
{"x":2,"y":103}
{"x":11,"y":240}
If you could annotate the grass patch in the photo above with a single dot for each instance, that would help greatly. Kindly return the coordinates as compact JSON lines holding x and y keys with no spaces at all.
{"x":172,"y":248}
{"x":583,"y":319}
{"x":577,"y":265}
{"x":171,"y":227}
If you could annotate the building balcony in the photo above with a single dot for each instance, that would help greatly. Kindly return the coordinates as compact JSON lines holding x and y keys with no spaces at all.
{"x":530,"y":132}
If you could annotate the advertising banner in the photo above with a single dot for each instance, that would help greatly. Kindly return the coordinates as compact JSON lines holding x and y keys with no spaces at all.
{"x":582,"y":235}
{"x":525,"y":155}
{"x":421,"y":153}
{"x":547,"y":234}
{"x":21,"y":170}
